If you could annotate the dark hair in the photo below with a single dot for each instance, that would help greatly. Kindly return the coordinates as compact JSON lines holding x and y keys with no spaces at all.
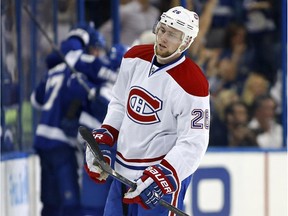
{"x":259,"y":100}
{"x":230,"y":108}
{"x":231,"y":30}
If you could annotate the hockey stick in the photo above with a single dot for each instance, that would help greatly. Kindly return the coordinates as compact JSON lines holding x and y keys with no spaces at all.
{"x":90,"y":91}
{"x":93,"y":145}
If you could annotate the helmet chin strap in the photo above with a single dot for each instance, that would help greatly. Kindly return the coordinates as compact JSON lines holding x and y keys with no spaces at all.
{"x":165,"y":59}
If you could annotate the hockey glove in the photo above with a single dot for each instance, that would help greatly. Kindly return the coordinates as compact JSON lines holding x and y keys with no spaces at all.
{"x":155,"y":182}
{"x":93,"y":170}
{"x":103,"y":136}
{"x":105,"y":140}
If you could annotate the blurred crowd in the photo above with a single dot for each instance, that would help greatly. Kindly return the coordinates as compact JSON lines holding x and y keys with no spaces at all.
{"x":238,"y":48}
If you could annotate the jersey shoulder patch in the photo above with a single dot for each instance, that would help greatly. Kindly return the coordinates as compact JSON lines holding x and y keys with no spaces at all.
{"x":191,"y":78}
{"x":145,"y":52}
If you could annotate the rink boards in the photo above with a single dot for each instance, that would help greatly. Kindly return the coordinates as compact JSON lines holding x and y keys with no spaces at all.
{"x":227,"y":183}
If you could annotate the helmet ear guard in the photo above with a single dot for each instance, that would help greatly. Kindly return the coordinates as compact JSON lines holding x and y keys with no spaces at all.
{"x":186,"y":44}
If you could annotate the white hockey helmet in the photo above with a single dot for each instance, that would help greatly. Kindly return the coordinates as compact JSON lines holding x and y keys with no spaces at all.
{"x":183,"y":20}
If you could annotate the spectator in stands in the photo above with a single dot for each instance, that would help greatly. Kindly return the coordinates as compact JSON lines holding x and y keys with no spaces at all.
{"x":234,"y":62}
{"x":219,"y":103}
{"x":260,"y":21}
{"x":268,"y":131}
{"x":233,"y":131}
{"x":205,"y":22}
{"x":236,"y":118}
{"x":207,"y":58}
{"x":223,"y":14}
{"x":276,"y":93}
{"x":136,"y":17}
{"x":255,"y":85}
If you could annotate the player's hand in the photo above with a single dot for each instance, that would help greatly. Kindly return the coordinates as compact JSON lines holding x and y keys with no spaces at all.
{"x":103,"y":136}
{"x":93,"y":170}
{"x":155,"y":182}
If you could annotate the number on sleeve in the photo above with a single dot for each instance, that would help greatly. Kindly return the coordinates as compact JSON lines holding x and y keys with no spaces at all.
{"x":197,"y":120}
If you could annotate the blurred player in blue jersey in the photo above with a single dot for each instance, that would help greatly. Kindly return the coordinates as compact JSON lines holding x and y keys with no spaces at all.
{"x":93,"y":196}
{"x":60,"y":98}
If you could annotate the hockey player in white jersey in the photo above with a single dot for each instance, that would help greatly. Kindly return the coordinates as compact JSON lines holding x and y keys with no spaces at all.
{"x":159,"y":117}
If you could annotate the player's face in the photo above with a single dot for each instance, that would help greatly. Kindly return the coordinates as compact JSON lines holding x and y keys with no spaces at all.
{"x":168,"y":40}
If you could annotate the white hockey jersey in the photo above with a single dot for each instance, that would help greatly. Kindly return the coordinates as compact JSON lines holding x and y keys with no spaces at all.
{"x":162,"y":114}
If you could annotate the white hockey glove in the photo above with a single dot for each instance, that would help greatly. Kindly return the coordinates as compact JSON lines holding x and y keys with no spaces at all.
{"x":93,"y":170}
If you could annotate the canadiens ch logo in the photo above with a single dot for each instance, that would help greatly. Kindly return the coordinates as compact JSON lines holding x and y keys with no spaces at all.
{"x":142,"y":107}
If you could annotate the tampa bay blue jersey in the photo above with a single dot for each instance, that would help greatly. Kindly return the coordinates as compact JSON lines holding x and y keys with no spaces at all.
{"x":59,"y":97}
{"x":94,"y":111}
{"x":97,"y":69}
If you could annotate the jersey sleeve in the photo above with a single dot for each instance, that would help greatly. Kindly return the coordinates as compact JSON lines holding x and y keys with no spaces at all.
{"x":38,"y":95}
{"x":193,"y":114}
{"x":96,"y":69}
